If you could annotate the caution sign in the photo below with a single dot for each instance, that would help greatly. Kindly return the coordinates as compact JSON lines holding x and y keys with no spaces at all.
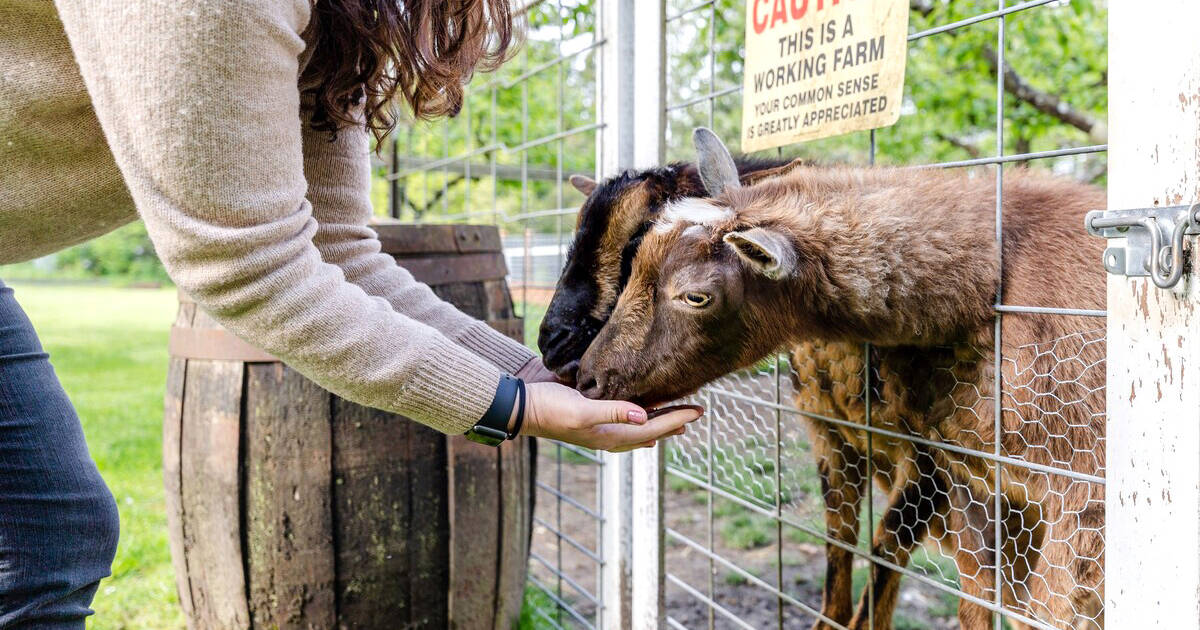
{"x":817,"y":68}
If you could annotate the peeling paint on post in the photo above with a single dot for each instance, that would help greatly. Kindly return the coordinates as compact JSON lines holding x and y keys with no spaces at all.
{"x":1153,"y":444}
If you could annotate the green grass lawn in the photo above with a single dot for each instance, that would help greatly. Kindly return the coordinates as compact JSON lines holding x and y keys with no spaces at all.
{"x":109,"y":346}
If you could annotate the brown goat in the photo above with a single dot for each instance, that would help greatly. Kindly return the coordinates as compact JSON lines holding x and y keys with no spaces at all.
{"x":623,"y":205}
{"x":904,"y":260}
{"x":611,"y":225}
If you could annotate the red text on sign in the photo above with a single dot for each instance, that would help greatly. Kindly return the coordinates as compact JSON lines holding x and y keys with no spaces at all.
{"x":781,"y":11}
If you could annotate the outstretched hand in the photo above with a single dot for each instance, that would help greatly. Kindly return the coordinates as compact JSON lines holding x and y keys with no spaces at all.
{"x":558,"y":412}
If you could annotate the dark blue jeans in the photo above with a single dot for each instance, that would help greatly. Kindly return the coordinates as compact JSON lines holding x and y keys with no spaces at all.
{"x":58,"y":521}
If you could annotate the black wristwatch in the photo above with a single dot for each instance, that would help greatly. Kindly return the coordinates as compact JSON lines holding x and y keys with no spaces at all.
{"x":492,"y":428}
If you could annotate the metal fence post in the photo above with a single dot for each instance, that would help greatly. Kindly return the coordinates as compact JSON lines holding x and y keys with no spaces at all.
{"x":615,"y":92}
{"x":649,"y":78}
{"x":1153,"y":444}
{"x":394,"y":185}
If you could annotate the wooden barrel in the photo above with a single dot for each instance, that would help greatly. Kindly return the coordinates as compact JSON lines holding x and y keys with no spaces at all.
{"x":289,"y":507}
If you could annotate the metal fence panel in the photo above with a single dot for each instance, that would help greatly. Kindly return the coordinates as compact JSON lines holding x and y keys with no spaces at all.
{"x":504,"y":160}
{"x":729,"y":526}
{"x":746,"y":520}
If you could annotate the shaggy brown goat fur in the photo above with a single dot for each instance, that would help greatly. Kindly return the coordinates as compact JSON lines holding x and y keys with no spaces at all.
{"x":825,"y":260}
{"x":609,"y":230}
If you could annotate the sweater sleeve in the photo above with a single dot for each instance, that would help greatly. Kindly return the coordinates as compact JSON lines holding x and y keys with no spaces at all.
{"x":338,"y":171}
{"x":200,"y":106}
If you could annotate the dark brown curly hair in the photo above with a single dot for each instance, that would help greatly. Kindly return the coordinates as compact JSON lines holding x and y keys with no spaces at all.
{"x":371,"y":51}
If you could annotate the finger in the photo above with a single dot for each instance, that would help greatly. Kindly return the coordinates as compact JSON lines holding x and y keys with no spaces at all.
{"x":535,"y":372}
{"x":613,"y":412}
{"x":679,"y":431}
{"x":624,"y":449}
{"x":654,"y":413}
{"x":650,"y":443}
{"x":628,"y":435}
{"x":676,"y":417}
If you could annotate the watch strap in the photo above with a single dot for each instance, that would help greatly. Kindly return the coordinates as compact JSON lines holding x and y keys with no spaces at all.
{"x":520,"y":410}
{"x":492,"y":428}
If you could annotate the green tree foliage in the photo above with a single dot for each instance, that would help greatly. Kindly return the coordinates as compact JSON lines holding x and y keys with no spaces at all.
{"x":547,"y":89}
{"x":1055,"y":98}
{"x":534,"y":115}
{"x":125,"y":254}
{"x":1058,"y":50}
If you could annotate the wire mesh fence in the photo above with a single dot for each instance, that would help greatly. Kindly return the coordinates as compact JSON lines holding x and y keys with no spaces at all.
{"x":503,"y":160}
{"x":771,"y":517}
{"x":791,"y":494}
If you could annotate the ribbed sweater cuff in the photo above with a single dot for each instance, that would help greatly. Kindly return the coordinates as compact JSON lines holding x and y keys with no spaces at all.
{"x":454,"y":390}
{"x":506,"y":354}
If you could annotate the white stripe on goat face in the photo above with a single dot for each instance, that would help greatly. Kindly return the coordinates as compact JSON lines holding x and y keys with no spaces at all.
{"x":691,"y":210}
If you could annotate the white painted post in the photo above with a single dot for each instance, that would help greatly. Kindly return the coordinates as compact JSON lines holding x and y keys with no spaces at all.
{"x":615,"y":93}
{"x":1152,"y":573}
{"x":649,"y":77}
{"x":615,"y":88}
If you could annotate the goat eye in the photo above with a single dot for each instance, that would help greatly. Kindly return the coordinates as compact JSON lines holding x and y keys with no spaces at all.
{"x":697,"y":300}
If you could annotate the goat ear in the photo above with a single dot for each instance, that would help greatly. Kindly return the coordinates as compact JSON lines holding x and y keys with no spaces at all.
{"x":766,"y":251}
{"x":583,"y":183}
{"x":718,"y":172}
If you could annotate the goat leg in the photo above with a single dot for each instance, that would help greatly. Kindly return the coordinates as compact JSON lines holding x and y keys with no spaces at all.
{"x":919,"y":497}
{"x":973,"y":522}
{"x":843,"y":484}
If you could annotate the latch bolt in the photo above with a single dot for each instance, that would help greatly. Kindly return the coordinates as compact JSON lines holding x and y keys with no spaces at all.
{"x":1153,"y":240}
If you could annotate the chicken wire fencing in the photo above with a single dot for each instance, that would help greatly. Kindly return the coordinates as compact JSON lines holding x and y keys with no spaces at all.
{"x":774,"y":485}
{"x":771,"y":518}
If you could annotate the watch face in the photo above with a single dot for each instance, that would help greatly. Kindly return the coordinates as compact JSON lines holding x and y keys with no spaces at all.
{"x":486,"y":435}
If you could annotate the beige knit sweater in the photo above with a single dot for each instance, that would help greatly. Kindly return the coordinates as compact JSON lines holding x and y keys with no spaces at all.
{"x":189,"y":114}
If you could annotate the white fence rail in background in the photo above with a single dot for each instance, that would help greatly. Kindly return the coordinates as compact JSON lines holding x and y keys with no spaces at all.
{"x":724,"y":527}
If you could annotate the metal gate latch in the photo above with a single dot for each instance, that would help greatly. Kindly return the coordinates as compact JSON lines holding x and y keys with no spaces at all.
{"x":1153,"y":240}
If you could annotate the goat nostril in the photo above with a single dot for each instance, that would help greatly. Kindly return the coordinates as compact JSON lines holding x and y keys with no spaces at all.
{"x":558,"y":336}
{"x":589,"y":387}
{"x":551,"y":338}
{"x":569,"y":372}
